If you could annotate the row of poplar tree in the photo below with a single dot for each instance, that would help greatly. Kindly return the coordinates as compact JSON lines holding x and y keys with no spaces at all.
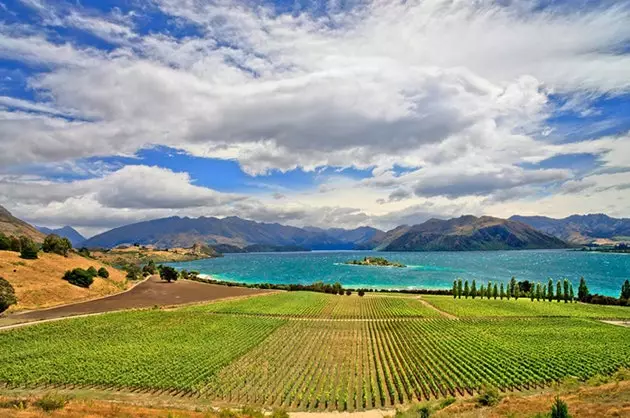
{"x":563,"y":290}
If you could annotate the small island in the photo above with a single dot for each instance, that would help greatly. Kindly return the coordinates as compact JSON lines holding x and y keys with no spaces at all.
{"x":375,"y":261}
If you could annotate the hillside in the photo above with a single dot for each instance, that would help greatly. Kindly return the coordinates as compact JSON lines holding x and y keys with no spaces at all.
{"x":142,"y":255}
{"x":67,"y":232}
{"x":38,"y":283}
{"x":231,"y":231}
{"x":10,"y":225}
{"x":468,"y":233}
{"x":580,"y":229}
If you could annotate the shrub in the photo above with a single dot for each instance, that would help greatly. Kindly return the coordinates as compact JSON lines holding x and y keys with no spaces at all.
{"x":168,"y":273}
{"x":279,"y":413}
{"x":15,"y":244}
{"x":84,"y":252}
{"x":361,"y":292}
{"x":348,"y":292}
{"x":251,"y":412}
{"x":5,"y":242}
{"x":559,"y":409}
{"x":53,"y":243}
{"x":7,"y":295}
{"x":102,"y":272}
{"x":79,"y":277}
{"x":28,"y":249}
{"x":133,"y":272}
{"x":52,"y":402}
{"x":488,"y":396}
{"x":92,"y":271}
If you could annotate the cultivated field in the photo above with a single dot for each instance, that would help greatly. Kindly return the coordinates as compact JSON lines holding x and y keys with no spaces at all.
{"x":311,"y":351}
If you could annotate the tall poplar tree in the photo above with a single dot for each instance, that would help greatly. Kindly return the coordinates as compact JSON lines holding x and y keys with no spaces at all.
{"x":565,"y":286}
{"x":538,"y":291}
{"x":459,"y":288}
{"x":466,"y":290}
{"x":550,"y":290}
{"x":473,"y":289}
{"x":571,"y":294}
{"x":502,"y":293}
{"x":582,"y":290}
{"x":489,"y":290}
{"x":454,"y":289}
{"x":495,"y":292}
{"x":558,"y":291}
{"x":482,"y":291}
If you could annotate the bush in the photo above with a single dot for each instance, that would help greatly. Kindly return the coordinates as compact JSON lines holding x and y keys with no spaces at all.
{"x":149,"y":268}
{"x":488,"y":396}
{"x":53,"y":243}
{"x":133,"y":272}
{"x":15,"y":244}
{"x":28,"y":249}
{"x":52,"y":402}
{"x":168,"y":273}
{"x":279,"y":413}
{"x":361,"y":292}
{"x":559,"y":409}
{"x":92,"y":271}
{"x":348,"y":292}
{"x":84,"y":252}
{"x":251,"y":412}
{"x":5,"y":242}
{"x":79,"y":277}
{"x":7,"y":295}
{"x":102,"y":272}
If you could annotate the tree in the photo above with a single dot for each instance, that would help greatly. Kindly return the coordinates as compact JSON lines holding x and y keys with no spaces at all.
{"x":571,"y":294}
{"x":133,"y":272}
{"x":348,"y":292}
{"x":495,"y":291}
{"x":15,"y":244}
{"x":79,"y":277}
{"x":473,"y":289}
{"x":454,"y":289}
{"x":559,"y":409}
{"x":84,"y":252}
{"x":582,"y":290}
{"x":544,"y":293}
{"x":337,"y":289}
{"x":538,"y":291}
{"x":28,"y":249}
{"x":558,"y":291}
{"x":168,"y":273}
{"x":482,"y":291}
{"x":92,"y":271}
{"x":5,"y":242}
{"x":459,"y":288}
{"x":625,"y":291}
{"x":466,"y":290}
{"x":550,"y":290}
{"x":102,"y":272}
{"x":53,"y":243}
{"x":361,"y":292}
{"x":532,"y":293}
{"x":7,"y":295}
{"x":513,"y":284}
{"x":565,"y":286}
{"x":149,"y":268}
{"x":489,"y":290}
{"x":502,"y":292}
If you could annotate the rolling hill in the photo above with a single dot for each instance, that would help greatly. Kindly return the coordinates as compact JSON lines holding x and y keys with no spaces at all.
{"x":468,"y":233}
{"x":10,"y":225}
{"x":231,"y":231}
{"x":579,"y":229}
{"x":67,"y":232}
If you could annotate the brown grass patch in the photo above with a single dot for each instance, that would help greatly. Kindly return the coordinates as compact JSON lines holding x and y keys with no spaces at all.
{"x":39,"y":284}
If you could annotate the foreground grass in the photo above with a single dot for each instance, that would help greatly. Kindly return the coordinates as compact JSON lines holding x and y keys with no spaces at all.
{"x":523,"y":307}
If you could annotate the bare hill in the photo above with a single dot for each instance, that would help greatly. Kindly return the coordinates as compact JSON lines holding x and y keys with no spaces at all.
{"x":10,"y":225}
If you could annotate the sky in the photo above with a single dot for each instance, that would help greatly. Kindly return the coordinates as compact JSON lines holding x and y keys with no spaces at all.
{"x":330,"y":113}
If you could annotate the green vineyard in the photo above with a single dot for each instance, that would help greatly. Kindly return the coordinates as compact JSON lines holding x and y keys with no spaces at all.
{"x":311,"y":351}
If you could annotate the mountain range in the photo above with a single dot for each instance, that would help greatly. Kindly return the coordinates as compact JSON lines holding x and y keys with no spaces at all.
{"x":67,"y":232}
{"x":580,"y":229}
{"x":235,"y":234}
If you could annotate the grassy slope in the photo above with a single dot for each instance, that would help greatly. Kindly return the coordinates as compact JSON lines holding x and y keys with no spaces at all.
{"x":38,"y":283}
{"x":523,"y":307}
{"x":134,"y":255}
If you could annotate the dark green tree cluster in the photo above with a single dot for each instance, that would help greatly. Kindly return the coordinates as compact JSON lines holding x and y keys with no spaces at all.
{"x":27,"y":248}
{"x":53,"y":243}
{"x":168,"y":273}
{"x":133,"y":272}
{"x":7,"y":295}
{"x":515,"y":289}
{"x":102,"y":272}
{"x":149,"y":269}
{"x":79,"y":277}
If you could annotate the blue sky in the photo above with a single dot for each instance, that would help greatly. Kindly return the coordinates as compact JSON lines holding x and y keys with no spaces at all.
{"x":327,"y":113}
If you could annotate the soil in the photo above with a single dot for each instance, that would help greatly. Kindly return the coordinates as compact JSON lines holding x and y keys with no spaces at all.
{"x":149,"y":293}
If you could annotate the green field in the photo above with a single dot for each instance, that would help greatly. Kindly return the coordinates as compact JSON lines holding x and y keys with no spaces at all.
{"x":478,"y":307}
{"x":310,"y":351}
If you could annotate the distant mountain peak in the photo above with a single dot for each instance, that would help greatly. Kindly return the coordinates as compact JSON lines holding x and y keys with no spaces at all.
{"x":580,"y":229}
{"x":67,"y":232}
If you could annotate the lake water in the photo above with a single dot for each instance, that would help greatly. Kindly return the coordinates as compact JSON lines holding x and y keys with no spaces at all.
{"x":603,"y":272}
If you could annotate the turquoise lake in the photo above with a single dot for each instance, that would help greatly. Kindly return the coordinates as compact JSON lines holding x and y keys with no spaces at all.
{"x":604,"y":272}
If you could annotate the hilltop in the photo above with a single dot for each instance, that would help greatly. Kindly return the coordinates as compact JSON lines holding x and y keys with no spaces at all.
{"x":580,"y":229}
{"x":10,"y":225}
{"x":468,"y":233}
{"x":38,"y":283}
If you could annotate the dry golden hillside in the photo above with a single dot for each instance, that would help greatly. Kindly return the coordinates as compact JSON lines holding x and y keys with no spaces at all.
{"x":39,"y":284}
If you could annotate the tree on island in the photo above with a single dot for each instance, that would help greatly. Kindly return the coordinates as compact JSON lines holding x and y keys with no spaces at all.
{"x":168,"y":273}
{"x":582,"y":290}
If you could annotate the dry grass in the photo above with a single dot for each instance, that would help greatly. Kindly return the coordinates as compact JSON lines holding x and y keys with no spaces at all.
{"x":139,"y":256}
{"x":39,"y":284}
